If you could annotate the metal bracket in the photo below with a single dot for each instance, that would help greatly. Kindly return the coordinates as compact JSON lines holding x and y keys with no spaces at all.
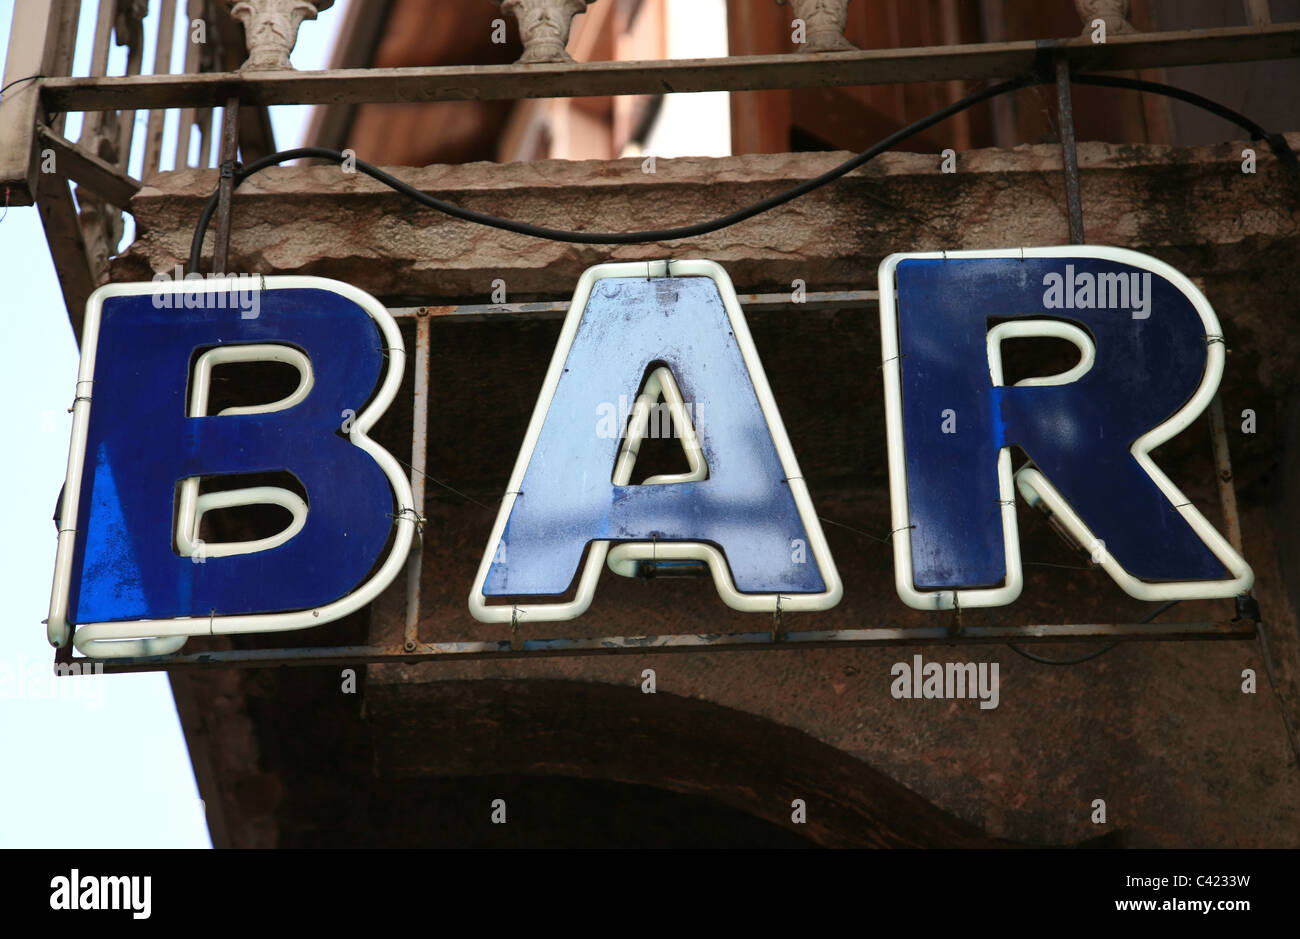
{"x":226,"y":189}
{"x":517,"y":647}
{"x":1069,"y":150}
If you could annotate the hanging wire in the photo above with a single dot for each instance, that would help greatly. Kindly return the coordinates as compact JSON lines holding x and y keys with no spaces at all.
{"x":18,"y":81}
{"x":602,"y":238}
{"x":1275,"y":141}
{"x":1043,"y":660}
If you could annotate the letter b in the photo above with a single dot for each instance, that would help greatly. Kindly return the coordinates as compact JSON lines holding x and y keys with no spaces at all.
{"x":143,"y":439}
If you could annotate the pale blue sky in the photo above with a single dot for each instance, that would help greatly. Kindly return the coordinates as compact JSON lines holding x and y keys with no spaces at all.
{"x":87,"y":762}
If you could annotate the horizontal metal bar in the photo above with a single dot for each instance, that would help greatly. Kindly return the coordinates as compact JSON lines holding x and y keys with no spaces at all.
{"x":735,"y":73}
{"x":478,"y":312}
{"x":88,"y":170}
{"x":646,"y":645}
{"x":555,"y":309}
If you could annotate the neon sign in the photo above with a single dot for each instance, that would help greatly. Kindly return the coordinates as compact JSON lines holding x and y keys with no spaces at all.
{"x":133,"y":576}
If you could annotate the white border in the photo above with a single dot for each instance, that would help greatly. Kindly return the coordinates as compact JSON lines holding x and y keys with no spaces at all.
{"x":1034,"y":329}
{"x":1030,"y":482}
{"x":161,"y":637}
{"x":596,"y":557}
{"x":660,"y":382}
{"x":192,"y":506}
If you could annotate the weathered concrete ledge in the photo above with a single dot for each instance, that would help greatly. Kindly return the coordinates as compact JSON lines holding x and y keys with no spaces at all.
{"x":1192,"y":203}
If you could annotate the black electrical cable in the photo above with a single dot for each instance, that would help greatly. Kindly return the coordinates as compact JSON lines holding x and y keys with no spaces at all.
{"x":1275,"y":141}
{"x":1042,"y":660}
{"x":600,"y":238}
{"x":19,"y":81}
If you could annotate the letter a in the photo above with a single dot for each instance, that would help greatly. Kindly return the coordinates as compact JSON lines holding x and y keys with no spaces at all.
{"x":676,"y":326}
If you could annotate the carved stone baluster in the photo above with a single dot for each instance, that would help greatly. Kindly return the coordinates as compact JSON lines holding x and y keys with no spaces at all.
{"x":544,"y":27}
{"x":1114,"y":13}
{"x":271,"y":29}
{"x":128,"y":24}
{"x":824,"y":22}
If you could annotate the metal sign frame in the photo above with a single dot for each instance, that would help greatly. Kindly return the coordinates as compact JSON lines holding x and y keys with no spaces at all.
{"x":413,"y":649}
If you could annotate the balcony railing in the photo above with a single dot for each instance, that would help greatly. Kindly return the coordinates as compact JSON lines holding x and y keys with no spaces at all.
{"x":109,"y":42}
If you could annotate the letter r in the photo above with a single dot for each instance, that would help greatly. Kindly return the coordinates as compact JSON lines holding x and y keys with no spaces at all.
{"x":1088,"y":432}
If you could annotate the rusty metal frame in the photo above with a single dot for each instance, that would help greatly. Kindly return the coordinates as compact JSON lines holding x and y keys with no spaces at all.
{"x":683,"y":642}
{"x":86,"y":169}
{"x":226,"y":188}
{"x":413,"y":650}
{"x":555,"y":309}
{"x":1069,"y":147}
{"x":419,"y":451}
{"x":972,"y":62}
